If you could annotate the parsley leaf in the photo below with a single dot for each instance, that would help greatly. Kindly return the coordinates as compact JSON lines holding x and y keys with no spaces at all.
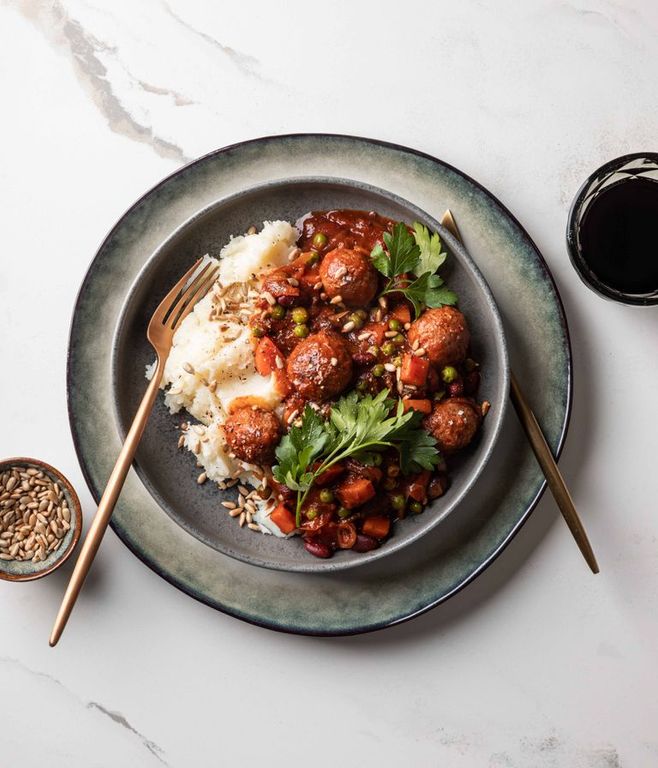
{"x":298,"y":449}
{"x":431,"y":256}
{"x":428,"y":291}
{"x":402,"y":256}
{"x":358,"y":427}
{"x":419,"y":254}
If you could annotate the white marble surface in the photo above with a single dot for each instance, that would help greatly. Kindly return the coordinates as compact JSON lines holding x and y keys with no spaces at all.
{"x":538,"y":663}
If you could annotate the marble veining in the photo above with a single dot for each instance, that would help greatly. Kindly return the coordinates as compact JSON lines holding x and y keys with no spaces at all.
{"x":535,"y":665}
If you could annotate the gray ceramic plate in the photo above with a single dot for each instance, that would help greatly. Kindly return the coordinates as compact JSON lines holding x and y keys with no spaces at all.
{"x":170,"y":475}
{"x":423,"y":574}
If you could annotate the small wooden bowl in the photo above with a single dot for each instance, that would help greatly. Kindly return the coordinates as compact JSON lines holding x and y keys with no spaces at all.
{"x":26,"y":570}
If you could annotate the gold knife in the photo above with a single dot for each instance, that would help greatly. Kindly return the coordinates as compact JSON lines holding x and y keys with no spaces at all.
{"x":540,"y":447}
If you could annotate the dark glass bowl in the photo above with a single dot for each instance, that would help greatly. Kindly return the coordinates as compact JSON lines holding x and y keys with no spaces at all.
{"x":639,"y":164}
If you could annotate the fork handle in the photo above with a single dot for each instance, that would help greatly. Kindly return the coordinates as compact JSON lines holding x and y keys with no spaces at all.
{"x":551,"y":472}
{"x":106,"y":505}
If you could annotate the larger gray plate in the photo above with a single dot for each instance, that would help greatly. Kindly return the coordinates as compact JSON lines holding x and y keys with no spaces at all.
{"x":463,"y":544}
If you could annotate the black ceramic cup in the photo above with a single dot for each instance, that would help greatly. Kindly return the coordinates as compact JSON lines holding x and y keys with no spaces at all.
{"x":612,"y":230}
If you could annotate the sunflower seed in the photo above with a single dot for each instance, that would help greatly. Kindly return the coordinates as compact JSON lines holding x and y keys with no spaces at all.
{"x":337,"y":300}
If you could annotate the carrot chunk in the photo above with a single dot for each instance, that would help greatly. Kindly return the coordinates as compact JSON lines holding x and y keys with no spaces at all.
{"x":414,"y":370}
{"x":266,"y":355}
{"x":376,"y":331}
{"x":424,"y":406}
{"x":329,"y":475}
{"x":284,"y":519}
{"x":417,"y":489}
{"x":355,"y":491}
{"x":402,"y":313}
{"x":376,"y":526}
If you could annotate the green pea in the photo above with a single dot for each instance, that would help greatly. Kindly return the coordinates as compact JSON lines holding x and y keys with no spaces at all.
{"x":342,"y":512}
{"x":394,"y":324}
{"x":449,"y":374}
{"x":416,"y":507}
{"x":326,"y":496}
{"x":377,"y":459}
{"x":388,"y":347}
{"x":258,"y":332}
{"x":300,"y":315}
{"x":399,"y":339}
{"x":397,"y":361}
{"x":378,"y":370}
{"x":398,"y":502}
{"x":362,"y":385}
{"x":311,"y":514}
{"x":319,"y":240}
{"x":390,"y":483}
{"x":439,"y":395}
{"x":362,"y":314}
{"x":301,"y":331}
{"x":313,"y":259}
{"x":357,"y":320}
{"x":278,"y":312}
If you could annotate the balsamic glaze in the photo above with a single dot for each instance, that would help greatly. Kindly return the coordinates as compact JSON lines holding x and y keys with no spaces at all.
{"x":619,"y":236}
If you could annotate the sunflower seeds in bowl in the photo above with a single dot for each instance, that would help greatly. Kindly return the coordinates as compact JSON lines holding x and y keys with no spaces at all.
{"x":40,"y":519}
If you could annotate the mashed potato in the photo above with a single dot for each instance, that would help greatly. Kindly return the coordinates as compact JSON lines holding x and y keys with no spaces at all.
{"x":211,"y":361}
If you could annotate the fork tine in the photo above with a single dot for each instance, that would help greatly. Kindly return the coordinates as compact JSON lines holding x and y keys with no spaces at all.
{"x":169,"y":300}
{"x":188,"y":290}
{"x":191,"y":297}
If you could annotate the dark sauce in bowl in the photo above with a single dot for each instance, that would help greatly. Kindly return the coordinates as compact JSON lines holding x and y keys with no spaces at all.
{"x":619,"y":237}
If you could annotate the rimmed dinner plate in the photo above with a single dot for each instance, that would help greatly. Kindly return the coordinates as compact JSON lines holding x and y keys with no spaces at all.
{"x":463,"y":544}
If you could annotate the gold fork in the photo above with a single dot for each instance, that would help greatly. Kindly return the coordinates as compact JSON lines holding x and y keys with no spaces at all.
{"x":538,"y":443}
{"x":173,"y":309}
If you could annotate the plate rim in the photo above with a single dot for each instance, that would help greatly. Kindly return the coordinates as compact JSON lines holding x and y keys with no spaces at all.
{"x":531,"y":504}
{"x":485,"y":291}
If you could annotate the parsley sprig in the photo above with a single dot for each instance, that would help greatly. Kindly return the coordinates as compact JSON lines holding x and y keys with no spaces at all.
{"x":357,"y":427}
{"x":419,"y":254}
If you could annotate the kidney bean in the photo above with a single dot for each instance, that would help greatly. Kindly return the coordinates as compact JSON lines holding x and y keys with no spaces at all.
{"x":456,"y":388}
{"x":317,"y":548}
{"x":437,"y":487}
{"x":364,"y":543}
{"x":471,"y":382}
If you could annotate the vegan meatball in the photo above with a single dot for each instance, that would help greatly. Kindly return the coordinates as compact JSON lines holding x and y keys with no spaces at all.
{"x":320,"y":367}
{"x":444,"y":335}
{"x":349,"y":274}
{"x":453,"y":423}
{"x":252,"y":434}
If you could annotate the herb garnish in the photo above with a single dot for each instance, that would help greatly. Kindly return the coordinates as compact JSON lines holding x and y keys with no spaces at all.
{"x":419,"y":254}
{"x":357,"y":427}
